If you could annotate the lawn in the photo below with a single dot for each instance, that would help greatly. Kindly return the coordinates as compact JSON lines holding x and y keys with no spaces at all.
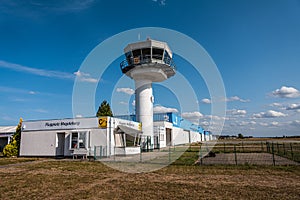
{"x":68,"y":179}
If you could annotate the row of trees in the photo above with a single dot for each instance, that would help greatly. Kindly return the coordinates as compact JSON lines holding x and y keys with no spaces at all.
{"x":13,"y":148}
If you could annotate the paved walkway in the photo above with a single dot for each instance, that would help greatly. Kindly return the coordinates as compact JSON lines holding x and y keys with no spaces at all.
{"x":247,"y":158}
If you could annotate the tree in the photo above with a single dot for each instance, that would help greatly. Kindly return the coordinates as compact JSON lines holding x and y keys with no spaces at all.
{"x":13,"y":148}
{"x":104,"y":110}
{"x":240,"y":136}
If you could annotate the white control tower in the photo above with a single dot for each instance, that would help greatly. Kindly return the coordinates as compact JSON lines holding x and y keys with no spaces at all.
{"x":146,"y":62}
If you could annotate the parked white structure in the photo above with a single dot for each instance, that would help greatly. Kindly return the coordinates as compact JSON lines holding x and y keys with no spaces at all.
{"x":63,"y":137}
{"x":6,"y":133}
{"x":105,"y":136}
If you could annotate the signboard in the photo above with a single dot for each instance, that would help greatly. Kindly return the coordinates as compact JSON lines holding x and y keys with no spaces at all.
{"x":136,"y":60}
{"x":129,"y":124}
{"x":60,"y":124}
{"x":102,"y":122}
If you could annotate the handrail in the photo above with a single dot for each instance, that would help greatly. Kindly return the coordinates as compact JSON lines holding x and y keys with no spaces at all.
{"x":133,"y":61}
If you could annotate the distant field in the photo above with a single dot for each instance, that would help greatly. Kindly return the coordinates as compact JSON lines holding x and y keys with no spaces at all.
{"x":68,"y":179}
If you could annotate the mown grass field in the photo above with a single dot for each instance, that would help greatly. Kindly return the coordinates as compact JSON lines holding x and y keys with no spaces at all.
{"x":68,"y":179}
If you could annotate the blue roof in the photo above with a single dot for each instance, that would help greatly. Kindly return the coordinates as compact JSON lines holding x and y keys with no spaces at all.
{"x":176,"y":120}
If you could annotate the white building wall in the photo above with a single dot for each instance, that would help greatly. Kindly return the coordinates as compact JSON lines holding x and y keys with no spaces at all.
{"x":195,"y":136}
{"x":180,"y":136}
{"x":38,"y":143}
{"x":98,"y":137}
{"x":160,"y":131}
{"x":206,"y":137}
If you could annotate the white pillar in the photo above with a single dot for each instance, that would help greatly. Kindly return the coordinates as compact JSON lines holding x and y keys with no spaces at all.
{"x":144,"y":106}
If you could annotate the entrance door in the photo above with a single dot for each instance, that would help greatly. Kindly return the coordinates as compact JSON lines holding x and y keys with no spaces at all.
{"x":169,"y":136}
{"x":60,"y":145}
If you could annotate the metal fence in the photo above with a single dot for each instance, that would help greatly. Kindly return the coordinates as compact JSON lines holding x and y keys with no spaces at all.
{"x":256,"y":153}
{"x":100,"y":152}
{"x":208,"y":153}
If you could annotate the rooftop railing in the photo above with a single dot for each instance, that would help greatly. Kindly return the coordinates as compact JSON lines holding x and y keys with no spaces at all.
{"x":130,"y":63}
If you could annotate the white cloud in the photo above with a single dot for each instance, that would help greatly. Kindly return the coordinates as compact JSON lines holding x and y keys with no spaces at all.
{"x":206,"y":101}
{"x":16,"y":90}
{"x":133,"y":103}
{"x":204,"y":123}
{"x":296,"y":123}
{"x":160,"y":2}
{"x":263,"y":124}
{"x":269,"y":114}
{"x":237,"y":112}
{"x":123,"y":103}
{"x":293,"y":106}
{"x":126,"y":90}
{"x":192,"y":115}
{"x":236,"y":98}
{"x":227,"y":99}
{"x":214,"y":117}
{"x":162,"y":109}
{"x":276,"y":104}
{"x":246,"y":123}
{"x":274,"y":123}
{"x":286,"y":92}
{"x":40,"y":110}
{"x":39,"y":72}
{"x":37,"y":8}
{"x":236,"y":123}
{"x":85,"y":77}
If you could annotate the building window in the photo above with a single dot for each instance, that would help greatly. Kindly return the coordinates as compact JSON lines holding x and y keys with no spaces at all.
{"x":146,"y":54}
{"x":167,"y":58}
{"x":78,"y":140}
{"x":157,"y":53}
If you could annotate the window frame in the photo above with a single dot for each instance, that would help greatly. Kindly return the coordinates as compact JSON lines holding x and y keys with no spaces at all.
{"x":78,"y":143}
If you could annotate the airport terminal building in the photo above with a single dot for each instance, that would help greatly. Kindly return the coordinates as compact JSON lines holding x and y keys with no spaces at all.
{"x":105,"y":136}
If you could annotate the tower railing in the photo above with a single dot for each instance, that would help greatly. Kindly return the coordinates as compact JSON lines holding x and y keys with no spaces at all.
{"x":130,"y":63}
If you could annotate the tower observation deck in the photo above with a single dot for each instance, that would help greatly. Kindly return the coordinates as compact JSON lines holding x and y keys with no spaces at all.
{"x":146,"y":62}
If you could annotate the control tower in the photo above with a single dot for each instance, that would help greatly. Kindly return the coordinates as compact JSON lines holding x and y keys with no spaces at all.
{"x":146,"y":62}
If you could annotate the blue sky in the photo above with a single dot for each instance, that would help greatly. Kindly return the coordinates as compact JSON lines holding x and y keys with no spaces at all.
{"x":255,"y":45}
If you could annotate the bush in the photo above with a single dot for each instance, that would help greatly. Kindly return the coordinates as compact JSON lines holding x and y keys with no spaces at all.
{"x":11,"y":149}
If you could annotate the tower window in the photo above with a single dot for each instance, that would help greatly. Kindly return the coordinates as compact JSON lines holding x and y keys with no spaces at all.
{"x":157,"y":53}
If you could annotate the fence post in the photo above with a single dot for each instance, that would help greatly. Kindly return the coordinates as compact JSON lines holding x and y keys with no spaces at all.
{"x":95,"y":152}
{"x":284,"y":152}
{"x":224,"y":146}
{"x":100,"y":152}
{"x":169,"y":154}
{"x":200,"y":156}
{"x":114,"y":153}
{"x":141,"y":154}
{"x":292,"y":153}
{"x":277,"y":148}
{"x":262,"y":147}
{"x":273,"y":156}
{"x":243,"y":146}
{"x":235,"y":157}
